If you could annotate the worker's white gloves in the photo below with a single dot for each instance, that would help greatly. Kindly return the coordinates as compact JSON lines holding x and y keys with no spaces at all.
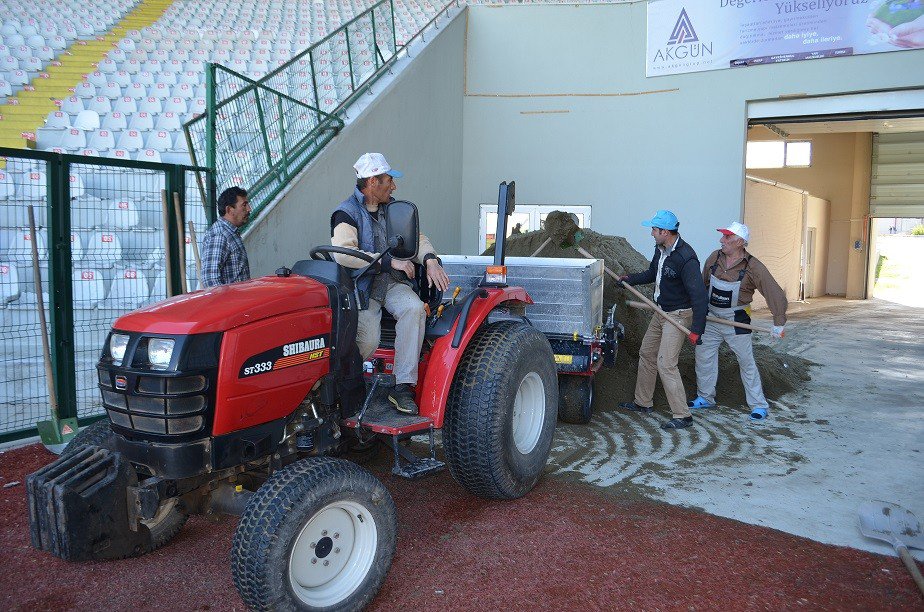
{"x":777,"y":331}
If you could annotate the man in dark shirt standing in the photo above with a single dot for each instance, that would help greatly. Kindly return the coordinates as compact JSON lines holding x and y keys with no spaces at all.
{"x":679,"y":291}
{"x":224,"y":258}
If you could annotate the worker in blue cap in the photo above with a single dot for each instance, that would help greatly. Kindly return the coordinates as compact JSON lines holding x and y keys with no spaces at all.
{"x":680,"y":293}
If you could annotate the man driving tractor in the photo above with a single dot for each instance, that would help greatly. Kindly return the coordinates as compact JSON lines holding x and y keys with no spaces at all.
{"x":359,"y":223}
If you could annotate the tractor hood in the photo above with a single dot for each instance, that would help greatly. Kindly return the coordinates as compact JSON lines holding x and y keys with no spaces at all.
{"x":222,"y":308}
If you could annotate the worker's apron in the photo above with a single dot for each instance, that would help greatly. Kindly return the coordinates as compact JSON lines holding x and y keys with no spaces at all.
{"x":723,"y":298}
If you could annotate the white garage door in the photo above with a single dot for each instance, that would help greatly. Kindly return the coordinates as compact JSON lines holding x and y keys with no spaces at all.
{"x":897,"y":188}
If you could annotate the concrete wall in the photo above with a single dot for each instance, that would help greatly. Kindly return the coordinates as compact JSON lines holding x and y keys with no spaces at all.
{"x":416,"y":122}
{"x":830,"y":177}
{"x":818,"y":216}
{"x":556,"y":97}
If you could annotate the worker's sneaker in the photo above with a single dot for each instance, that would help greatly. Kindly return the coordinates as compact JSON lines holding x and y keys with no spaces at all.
{"x":635,"y":407}
{"x":676,"y":423}
{"x":699,"y":404}
{"x":402,"y":396}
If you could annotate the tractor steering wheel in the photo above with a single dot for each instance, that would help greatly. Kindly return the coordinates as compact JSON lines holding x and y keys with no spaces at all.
{"x":324,"y":253}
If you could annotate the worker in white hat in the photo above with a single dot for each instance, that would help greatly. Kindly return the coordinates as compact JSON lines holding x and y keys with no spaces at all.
{"x":359,"y":224}
{"x":732,"y":275}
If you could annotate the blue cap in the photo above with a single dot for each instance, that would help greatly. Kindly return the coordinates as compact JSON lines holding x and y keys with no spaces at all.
{"x":663,"y":219}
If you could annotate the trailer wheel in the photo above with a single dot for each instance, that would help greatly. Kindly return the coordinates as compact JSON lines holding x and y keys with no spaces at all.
{"x":169,"y":518}
{"x":575,"y":399}
{"x":500,"y":415}
{"x":319,"y":534}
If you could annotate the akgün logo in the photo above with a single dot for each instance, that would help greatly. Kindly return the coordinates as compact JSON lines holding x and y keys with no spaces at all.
{"x":683,"y":31}
{"x":683,"y":45}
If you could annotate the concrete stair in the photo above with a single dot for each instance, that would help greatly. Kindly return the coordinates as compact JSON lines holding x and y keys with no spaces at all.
{"x":25,"y":112}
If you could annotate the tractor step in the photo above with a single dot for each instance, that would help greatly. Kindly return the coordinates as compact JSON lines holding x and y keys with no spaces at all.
{"x":382,"y":417}
{"x":418,"y":468}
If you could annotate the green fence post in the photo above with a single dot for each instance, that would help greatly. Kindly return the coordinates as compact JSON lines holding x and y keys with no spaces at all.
{"x":375,"y":41}
{"x":394,"y":30}
{"x":314,"y":82}
{"x":260,"y":118}
{"x":173,"y":184}
{"x":346,"y":33}
{"x":210,"y":111}
{"x":282,"y":136}
{"x":60,"y":289}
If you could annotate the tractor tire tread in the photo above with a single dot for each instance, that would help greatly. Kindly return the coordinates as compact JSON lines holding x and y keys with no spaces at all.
{"x":258,"y":530}
{"x":474,"y":429}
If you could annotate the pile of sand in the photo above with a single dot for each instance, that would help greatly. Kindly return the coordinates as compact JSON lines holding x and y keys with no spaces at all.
{"x":780,"y":372}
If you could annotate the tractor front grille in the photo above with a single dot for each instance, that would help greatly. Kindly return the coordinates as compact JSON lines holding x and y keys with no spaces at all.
{"x":158,"y":404}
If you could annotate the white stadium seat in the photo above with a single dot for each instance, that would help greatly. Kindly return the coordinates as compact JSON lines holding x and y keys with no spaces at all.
{"x":58,"y":119}
{"x":9,"y":282}
{"x":149,"y":155}
{"x":101,"y":139}
{"x":72,"y":105}
{"x":87,"y":120}
{"x":159,"y":141}
{"x":85,"y":89}
{"x":103,"y":248}
{"x":129,"y":289}
{"x":73,"y":139}
{"x":130,"y":140}
{"x":141,"y":121}
{"x":115,"y":120}
{"x":88,"y":287}
{"x":122,"y":214}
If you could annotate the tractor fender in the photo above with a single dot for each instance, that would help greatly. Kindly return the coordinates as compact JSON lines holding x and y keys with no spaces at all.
{"x":444,"y":358}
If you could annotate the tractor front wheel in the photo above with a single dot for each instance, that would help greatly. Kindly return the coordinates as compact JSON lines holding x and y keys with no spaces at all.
{"x":501,"y":412}
{"x":319,"y":534}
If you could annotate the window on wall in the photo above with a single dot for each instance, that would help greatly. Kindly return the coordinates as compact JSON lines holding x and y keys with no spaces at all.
{"x":779,"y":154}
{"x":526,"y":218}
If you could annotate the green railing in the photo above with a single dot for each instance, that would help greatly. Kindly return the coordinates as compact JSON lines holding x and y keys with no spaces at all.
{"x":258,"y":134}
{"x":104,"y":236}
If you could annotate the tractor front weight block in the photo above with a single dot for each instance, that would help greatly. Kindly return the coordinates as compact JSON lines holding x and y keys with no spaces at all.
{"x":79,"y":507}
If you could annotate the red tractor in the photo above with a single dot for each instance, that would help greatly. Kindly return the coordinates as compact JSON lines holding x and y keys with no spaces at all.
{"x":242,"y":399}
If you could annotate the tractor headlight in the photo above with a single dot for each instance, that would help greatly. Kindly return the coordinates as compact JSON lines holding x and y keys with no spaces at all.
{"x":117,"y":345}
{"x":160,"y":352}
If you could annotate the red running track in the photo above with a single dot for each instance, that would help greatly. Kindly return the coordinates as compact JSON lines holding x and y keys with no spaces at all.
{"x":564,"y":546}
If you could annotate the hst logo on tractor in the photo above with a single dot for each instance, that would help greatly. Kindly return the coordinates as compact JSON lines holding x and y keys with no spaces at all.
{"x":286,"y":356}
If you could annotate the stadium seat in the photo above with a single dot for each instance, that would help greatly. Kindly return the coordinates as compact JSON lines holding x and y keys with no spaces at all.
{"x":85,"y":89}
{"x":150,"y":104}
{"x":122,"y":78}
{"x":101,"y":140}
{"x":97,"y":78}
{"x":126,"y":105}
{"x":121,"y":214}
{"x":76,"y":184}
{"x":175,"y":105}
{"x":100,"y":104}
{"x":145,"y":247}
{"x":7,"y":187}
{"x":103,"y":248}
{"x":129,"y":289}
{"x":72,"y":105}
{"x":9,"y":283}
{"x":5,"y":88}
{"x":58,"y":119}
{"x":17,"y":77}
{"x":130,"y":140}
{"x":16,"y":244}
{"x":160,"y":91}
{"x":87,"y":119}
{"x":119,"y":154}
{"x":168,"y":121}
{"x":115,"y":120}
{"x":88,"y":287}
{"x":73,"y":139}
{"x":111,"y":90}
{"x":182,"y":90}
{"x":88,"y":214}
{"x":141,"y":121}
{"x":144,"y":78}
{"x":149,"y":155}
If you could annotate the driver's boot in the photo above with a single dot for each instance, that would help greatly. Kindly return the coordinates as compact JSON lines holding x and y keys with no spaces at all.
{"x":402,"y":397}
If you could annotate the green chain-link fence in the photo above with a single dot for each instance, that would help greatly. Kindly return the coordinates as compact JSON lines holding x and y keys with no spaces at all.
{"x":259,"y":134}
{"x":104,"y":230}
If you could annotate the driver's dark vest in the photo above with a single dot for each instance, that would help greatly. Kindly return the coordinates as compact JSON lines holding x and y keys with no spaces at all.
{"x":370,"y":231}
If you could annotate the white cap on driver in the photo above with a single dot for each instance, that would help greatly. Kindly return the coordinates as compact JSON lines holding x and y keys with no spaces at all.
{"x":374,"y":164}
{"x":738,"y":229}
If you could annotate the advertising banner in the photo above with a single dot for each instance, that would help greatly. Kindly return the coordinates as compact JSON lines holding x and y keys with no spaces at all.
{"x":696,"y":35}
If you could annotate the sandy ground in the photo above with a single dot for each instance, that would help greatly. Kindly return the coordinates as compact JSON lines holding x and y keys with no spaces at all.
{"x":854,"y":434}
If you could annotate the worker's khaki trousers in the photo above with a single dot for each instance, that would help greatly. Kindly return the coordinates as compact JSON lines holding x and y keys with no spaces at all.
{"x":707,"y":364}
{"x":407,"y":309}
{"x":658,"y":357}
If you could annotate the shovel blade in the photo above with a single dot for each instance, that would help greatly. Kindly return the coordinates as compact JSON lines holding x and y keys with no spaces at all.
{"x":892,"y":523}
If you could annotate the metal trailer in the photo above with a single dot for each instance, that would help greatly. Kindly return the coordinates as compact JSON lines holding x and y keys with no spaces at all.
{"x":568,"y":309}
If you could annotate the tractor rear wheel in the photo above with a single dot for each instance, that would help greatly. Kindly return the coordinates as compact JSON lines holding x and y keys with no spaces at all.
{"x":575,"y":399}
{"x":169,"y":518}
{"x":501,"y":411}
{"x":319,"y":534}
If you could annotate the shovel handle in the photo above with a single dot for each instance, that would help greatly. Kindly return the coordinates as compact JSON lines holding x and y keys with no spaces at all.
{"x":638,"y":294}
{"x":541,"y":246}
{"x":912,"y":566}
{"x":643,"y":306}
